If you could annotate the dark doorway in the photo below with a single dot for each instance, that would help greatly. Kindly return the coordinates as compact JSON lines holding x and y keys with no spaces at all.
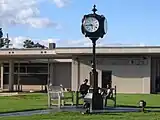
{"x":157,"y":84}
{"x":106,"y":78}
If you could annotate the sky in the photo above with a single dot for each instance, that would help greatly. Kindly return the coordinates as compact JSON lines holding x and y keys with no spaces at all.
{"x":130,"y":22}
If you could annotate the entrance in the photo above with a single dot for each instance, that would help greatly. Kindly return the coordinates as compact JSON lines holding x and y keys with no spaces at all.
{"x":158,"y":84}
{"x":106,"y":78}
{"x":155,"y":74}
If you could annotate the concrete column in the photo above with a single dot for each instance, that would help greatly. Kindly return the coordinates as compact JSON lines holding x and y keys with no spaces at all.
{"x":78,"y":76}
{"x":52,"y":73}
{"x":2,"y":73}
{"x":153,"y":75}
{"x":11,"y":75}
{"x":48,"y":77}
{"x":75,"y":82}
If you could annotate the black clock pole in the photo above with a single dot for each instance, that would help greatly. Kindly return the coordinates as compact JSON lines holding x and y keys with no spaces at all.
{"x":94,"y":33}
{"x":97,"y":100}
{"x":94,"y":72}
{"x":95,"y":81}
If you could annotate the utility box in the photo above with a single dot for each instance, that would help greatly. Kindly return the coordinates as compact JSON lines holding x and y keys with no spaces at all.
{"x":52,"y":45}
{"x":94,"y":101}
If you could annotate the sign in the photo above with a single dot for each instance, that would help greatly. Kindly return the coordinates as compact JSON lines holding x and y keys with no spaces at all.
{"x":116,"y":61}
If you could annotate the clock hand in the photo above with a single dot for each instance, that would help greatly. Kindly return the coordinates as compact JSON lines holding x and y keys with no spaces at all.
{"x":89,"y":25}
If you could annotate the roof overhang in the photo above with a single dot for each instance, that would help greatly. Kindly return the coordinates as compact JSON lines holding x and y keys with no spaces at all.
{"x":30,"y":54}
{"x":109,"y":50}
{"x":39,"y":61}
{"x":67,"y":53}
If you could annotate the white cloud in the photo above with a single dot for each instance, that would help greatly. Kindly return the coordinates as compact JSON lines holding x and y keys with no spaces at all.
{"x":25,"y":12}
{"x":61,"y":3}
{"x":85,"y":42}
{"x":76,"y":43}
{"x":100,"y":43}
{"x":40,"y":22}
{"x":17,"y":42}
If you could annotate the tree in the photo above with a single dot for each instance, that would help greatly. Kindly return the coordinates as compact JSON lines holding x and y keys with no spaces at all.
{"x":28,"y":44}
{"x":38,"y":45}
{"x":1,"y":38}
{"x":4,"y":41}
{"x":31,"y":44}
{"x":1,"y":33}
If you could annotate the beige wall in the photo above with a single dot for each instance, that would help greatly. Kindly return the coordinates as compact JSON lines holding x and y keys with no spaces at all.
{"x":62,"y":74}
{"x":26,"y":87}
{"x":127,"y":77}
{"x":80,"y":71}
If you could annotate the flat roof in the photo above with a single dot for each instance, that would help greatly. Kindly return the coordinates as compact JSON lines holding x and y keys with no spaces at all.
{"x":109,"y":50}
{"x":108,"y":47}
{"x":68,"y":52}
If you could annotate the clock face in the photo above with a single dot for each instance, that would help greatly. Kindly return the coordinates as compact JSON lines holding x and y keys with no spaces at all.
{"x":91,"y":24}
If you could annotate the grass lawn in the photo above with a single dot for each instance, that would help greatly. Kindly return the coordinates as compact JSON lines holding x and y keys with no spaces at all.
{"x":39,"y":101}
{"x":23,"y":102}
{"x":153,"y":100}
{"x":78,"y":116}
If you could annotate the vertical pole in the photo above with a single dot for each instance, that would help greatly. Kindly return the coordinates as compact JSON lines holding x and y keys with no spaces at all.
{"x":78,"y":70}
{"x":51,"y":71}
{"x":95,"y":81}
{"x":11,"y":75}
{"x":7,"y":44}
{"x":48,"y":79}
{"x":18,"y":74}
{"x":78,"y":81}
{"x":97,"y":100}
{"x":2,"y":69}
{"x":48,"y":84}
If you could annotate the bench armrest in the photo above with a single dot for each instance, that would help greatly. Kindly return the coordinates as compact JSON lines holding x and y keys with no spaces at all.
{"x":54,"y":92}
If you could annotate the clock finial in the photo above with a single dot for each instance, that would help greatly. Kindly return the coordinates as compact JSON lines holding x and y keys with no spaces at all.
{"x":94,"y":9}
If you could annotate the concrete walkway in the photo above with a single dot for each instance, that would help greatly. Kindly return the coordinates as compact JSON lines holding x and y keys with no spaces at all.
{"x":69,"y":109}
{"x":8,"y":93}
{"x":25,"y":113}
{"x":73,"y":109}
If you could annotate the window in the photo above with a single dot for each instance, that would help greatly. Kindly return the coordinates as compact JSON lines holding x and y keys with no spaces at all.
{"x":37,"y":70}
{"x":6,"y":69}
{"x":22,"y":69}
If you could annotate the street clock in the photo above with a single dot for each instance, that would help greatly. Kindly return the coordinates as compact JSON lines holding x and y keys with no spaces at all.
{"x":93,"y":25}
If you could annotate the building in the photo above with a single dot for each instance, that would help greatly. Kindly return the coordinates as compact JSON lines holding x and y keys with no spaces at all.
{"x":131,"y":69}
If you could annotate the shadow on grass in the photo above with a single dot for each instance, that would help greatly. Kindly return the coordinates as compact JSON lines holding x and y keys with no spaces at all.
{"x":87,"y":114}
{"x":23,"y":110}
{"x":105,"y":113}
{"x":132,"y":106}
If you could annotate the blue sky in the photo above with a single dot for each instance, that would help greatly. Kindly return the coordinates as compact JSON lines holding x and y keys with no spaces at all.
{"x":129,"y":22}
